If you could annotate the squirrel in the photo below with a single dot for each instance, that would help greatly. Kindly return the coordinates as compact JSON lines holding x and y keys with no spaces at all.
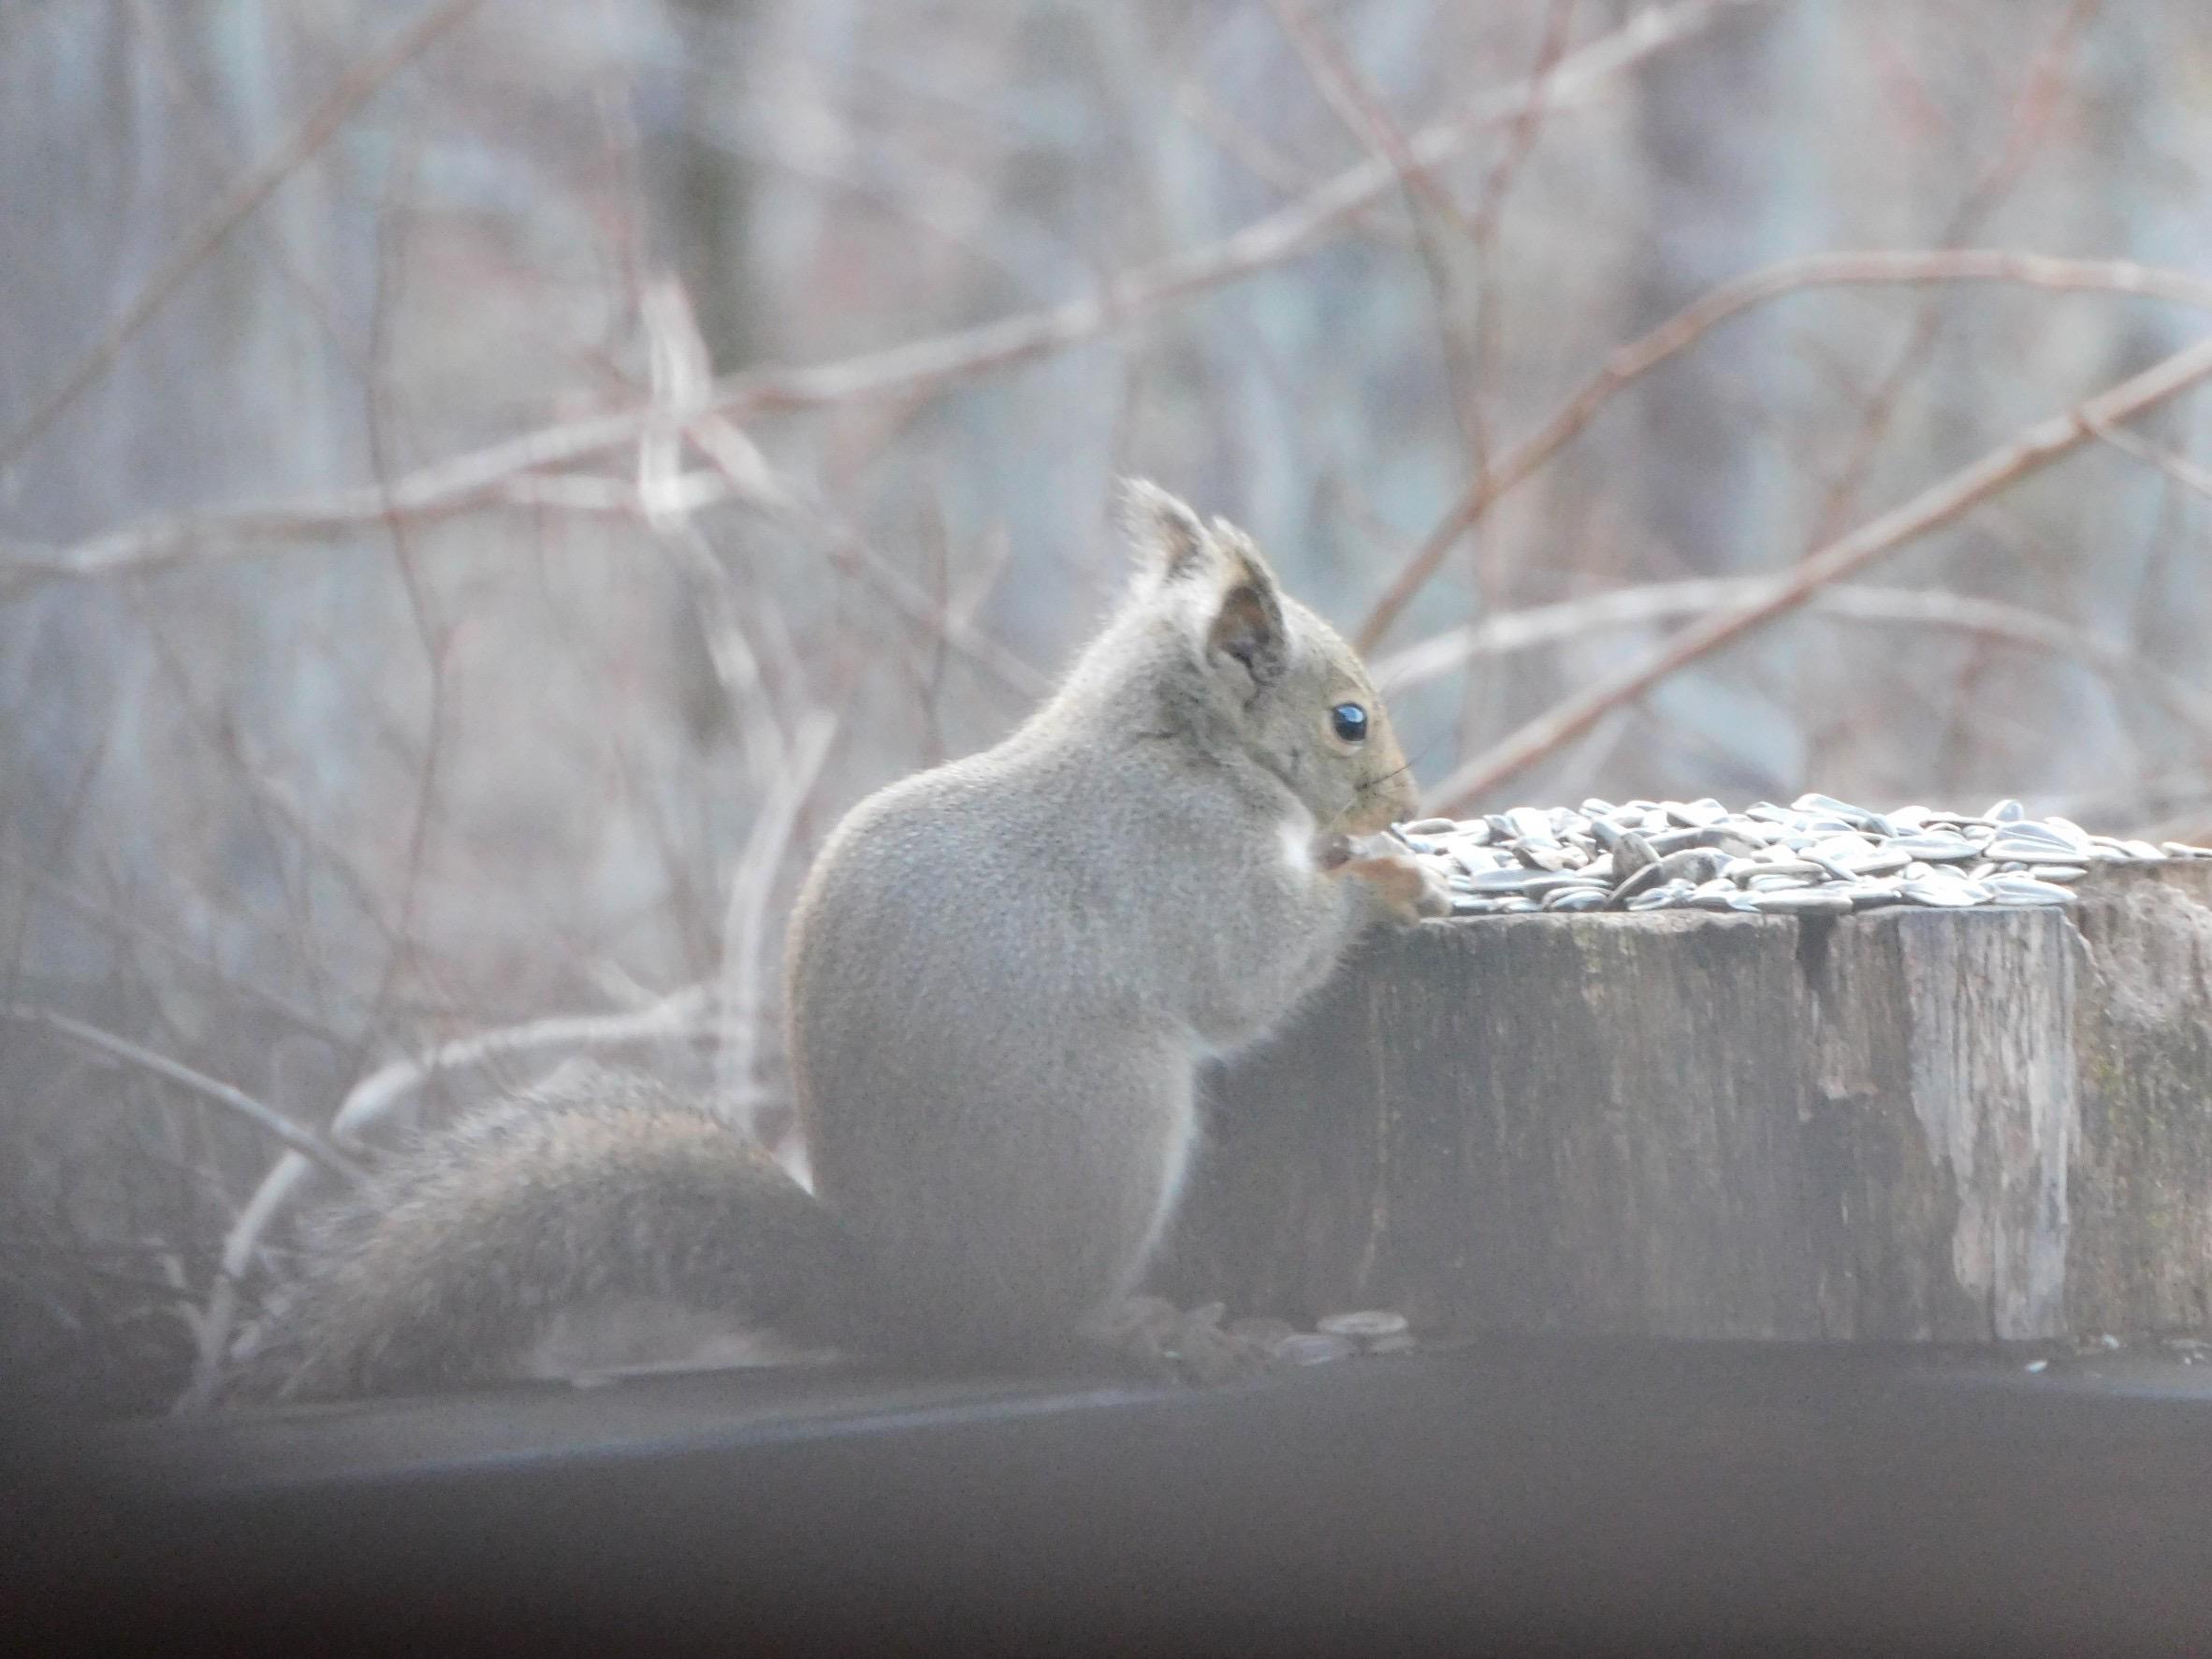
{"x":1003,"y":974}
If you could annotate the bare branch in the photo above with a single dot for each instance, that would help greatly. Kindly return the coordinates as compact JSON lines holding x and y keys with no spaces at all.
{"x":353,"y":89}
{"x":1362,"y":114}
{"x":1626,"y":607}
{"x":304,"y":1142}
{"x":680,"y":1014}
{"x":2031,"y":119}
{"x":683,"y":1014}
{"x":121,"y":926}
{"x":749,"y":477}
{"x":496,"y":475}
{"x":745,"y":925}
{"x":2184,"y":472}
{"x":217,"y":1319}
{"x":682,"y":385}
{"x":1355,"y":105}
{"x":1637,"y":358}
{"x":1942,"y":502}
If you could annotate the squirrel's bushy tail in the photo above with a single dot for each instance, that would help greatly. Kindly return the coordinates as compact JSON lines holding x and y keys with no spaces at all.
{"x":451,"y":1261}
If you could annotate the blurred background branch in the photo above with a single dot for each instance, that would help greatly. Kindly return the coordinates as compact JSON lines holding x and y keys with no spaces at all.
{"x":483,"y":485}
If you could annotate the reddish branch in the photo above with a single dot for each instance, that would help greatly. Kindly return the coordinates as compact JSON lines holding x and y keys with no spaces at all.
{"x":1941,"y":503}
{"x":1534,"y":627}
{"x":1637,"y":358}
{"x":2031,"y":115}
{"x":502,"y":472}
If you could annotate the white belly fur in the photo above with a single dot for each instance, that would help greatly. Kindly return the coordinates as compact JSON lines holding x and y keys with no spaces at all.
{"x":1297,"y":837}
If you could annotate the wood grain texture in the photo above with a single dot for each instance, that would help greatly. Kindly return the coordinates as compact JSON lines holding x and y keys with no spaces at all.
{"x":1907,"y":1124}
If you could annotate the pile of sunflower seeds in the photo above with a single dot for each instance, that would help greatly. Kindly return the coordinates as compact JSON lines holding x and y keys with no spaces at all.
{"x":1335,"y":1336}
{"x":1818,"y":856}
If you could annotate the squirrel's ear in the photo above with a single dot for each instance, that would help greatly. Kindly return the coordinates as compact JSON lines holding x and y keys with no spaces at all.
{"x":1246,"y":625}
{"x":1213,"y":581}
{"x":1166,"y":533}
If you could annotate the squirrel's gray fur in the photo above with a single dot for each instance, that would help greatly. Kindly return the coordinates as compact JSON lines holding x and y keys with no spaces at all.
{"x":598,"y":1185}
{"x":1002,"y":973}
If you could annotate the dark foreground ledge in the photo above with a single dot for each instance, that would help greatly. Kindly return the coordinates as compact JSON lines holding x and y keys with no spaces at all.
{"x":1903,"y":1125}
{"x":1631,"y":1497}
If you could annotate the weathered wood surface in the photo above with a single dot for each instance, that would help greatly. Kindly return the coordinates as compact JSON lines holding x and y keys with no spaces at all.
{"x":1905,"y":1124}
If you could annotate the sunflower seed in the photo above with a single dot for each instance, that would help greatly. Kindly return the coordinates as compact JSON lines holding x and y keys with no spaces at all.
{"x":1546,"y":855}
{"x":2068,"y":831}
{"x":1868,"y":895}
{"x":1801,"y":901}
{"x":1530,"y":823}
{"x":1934,"y":847}
{"x":2023,"y":890}
{"x":1946,"y":894}
{"x":1707,"y":813}
{"x":1576,"y":899}
{"x":1366,"y":1325}
{"x":1512,"y":878}
{"x":1820,"y":857}
{"x":1693,"y":865}
{"x":1631,"y":853}
{"x":1318,"y":1348}
{"x":1541,"y":886}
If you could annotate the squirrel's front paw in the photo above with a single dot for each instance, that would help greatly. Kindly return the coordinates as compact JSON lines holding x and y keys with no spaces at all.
{"x":1408,"y":889}
{"x":1165,"y":1343}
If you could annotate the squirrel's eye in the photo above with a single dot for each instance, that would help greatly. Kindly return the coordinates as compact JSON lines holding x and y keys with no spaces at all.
{"x":1350,"y":722}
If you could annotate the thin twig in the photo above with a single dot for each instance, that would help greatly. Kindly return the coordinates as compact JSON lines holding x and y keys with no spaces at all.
{"x":496,"y":475}
{"x":681,"y":370}
{"x":1362,"y":114}
{"x":1196,"y":102}
{"x":1361,"y":111}
{"x":683,"y":1014}
{"x":354,"y":89}
{"x":749,"y":477}
{"x":150,"y":19}
{"x":1637,"y":358}
{"x":2179,"y":468}
{"x":216,"y":1321}
{"x":2028,"y":453}
{"x":90,"y":909}
{"x":2030,"y":118}
{"x":303,"y":1141}
{"x":745,"y":924}
{"x":1537,"y":626}
{"x":1485,"y":564}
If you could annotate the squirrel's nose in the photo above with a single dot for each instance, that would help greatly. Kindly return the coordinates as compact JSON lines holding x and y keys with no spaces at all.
{"x":1405,"y":794}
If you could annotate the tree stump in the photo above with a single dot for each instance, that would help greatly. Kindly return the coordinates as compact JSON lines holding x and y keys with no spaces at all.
{"x":1901,"y":1124}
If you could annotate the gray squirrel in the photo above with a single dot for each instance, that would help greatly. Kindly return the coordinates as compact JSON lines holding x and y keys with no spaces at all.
{"x":1002,"y":975}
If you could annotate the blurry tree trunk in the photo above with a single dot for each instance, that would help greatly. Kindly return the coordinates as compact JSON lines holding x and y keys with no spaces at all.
{"x":120,"y":124}
{"x":1699,"y":490}
{"x":699,"y":191}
